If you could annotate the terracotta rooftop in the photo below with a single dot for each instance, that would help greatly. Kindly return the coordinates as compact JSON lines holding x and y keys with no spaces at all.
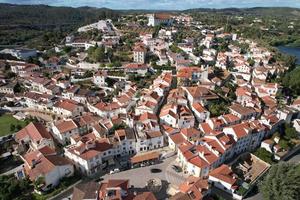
{"x":35,"y":131}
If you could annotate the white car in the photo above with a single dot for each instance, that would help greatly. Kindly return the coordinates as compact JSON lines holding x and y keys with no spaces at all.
{"x":113,"y":171}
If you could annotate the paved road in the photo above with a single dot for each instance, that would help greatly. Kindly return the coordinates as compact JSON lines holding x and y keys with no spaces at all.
{"x":139,"y":176}
{"x":295,"y":158}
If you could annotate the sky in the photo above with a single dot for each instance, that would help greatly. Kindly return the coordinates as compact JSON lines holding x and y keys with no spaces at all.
{"x":162,"y":4}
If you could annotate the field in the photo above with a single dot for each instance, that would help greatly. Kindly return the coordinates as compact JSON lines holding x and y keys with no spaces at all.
{"x":6,"y":121}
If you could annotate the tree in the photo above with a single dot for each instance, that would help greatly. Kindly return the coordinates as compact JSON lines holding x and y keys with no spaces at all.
{"x":39,"y":183}
{"x":217,"y":109}
{"x":67,"y":49}
{"x":18,"y":88}
{"x":291,"y":80}
{"x":18,"y":127}
{"x":99,"y":54}
{"x":88,"y":74}
{"x":264,"y":155}
{"x":109,"y":53}
{"x":290,"y":132}
{"x":282,"y":182}
{"x":11,"y":188}
{"x":12,"y":127}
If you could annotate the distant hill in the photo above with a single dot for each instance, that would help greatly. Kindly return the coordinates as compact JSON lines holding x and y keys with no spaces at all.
{"x":257,"y":11}
{"x":46,"y":15}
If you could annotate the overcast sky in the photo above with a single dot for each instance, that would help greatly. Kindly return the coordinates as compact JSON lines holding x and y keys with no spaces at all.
{"x":162,"y":4}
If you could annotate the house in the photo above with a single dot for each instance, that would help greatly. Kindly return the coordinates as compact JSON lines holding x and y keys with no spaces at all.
{"x":186,"y":118}
{"x":149,"y":140}
{"x":188,"y":75}
{"x":247,"y":135}
{"x":145,"y":196}
{"x":125,"y":142}
{"x":200,"y":112}
{"x":197,"y":160}
{"x":200,"y":94}
{"x":114,"y":189}
{"x":177,"y":96}
{"x":99,"y":78}
{"x":296,"y":125}
{"x":105,"y":109}
{"x":41,"y":84}
{"x":175,"y":140}
{"x":67,"y":108}
{"x":244,"y":95}
{"x":46,"y":164}
{"x":244,"y":113}
{"x":267,"y":145}
{"x":267,"y":89}
{"x":168,"y":115}
{"x":296,"y":104}
{"x":86,"y":191}
{"x":35,"y":135}
{"x":224,"y":179}
{"x":160,"y":18}
{"x":37,"y":101}
{"x":7,"y":88}
{"x":64,"y":130}
{"x":190,"y":134}
{"x":139,"y":53}
{"x":90,"y":154}
{"x":193,"y":188}
{"x":136,"y":69}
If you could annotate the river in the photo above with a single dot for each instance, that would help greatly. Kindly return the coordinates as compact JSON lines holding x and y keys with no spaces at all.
{"x":294,"y":51}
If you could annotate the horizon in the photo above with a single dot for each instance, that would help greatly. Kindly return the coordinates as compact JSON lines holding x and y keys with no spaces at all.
{"x":160,"y":4}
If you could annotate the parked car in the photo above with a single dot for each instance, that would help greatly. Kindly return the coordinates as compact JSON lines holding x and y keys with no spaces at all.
{"x":113,"y":171}
{"x":176,"y":168}
{"x":155,"y":170}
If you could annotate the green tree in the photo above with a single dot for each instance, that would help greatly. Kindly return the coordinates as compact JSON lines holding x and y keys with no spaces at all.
{"x":99,"y":54}
{"x":290,"y":132}
{"x":282,"y":182}
{"x":264,"y":155}
{"x":39,"y":182}
{"x":291,"y":80}
{"x":18,"y":88}
{"x":12,"y":127}
{"x":217,"y":108}
{"x":11,"y":188}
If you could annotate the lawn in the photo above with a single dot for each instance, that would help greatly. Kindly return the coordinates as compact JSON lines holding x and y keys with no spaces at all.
{"x":6,"y":121}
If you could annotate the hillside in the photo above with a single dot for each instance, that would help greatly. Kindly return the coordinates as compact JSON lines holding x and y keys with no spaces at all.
{"x":47,"y":15}
{"x":257,"y":11}
{"x":42,"y":26}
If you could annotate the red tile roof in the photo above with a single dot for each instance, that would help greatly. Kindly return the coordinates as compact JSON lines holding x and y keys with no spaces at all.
{"x":35,"y":131}
{"x":66,"y":126}
{"x":145,"y":196}
{"x":177,"y":138}
{"x":224,"y":173}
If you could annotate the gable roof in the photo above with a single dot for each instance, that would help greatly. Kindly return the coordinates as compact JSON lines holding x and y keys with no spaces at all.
{"x":35,"y":131}
{"x":85,"y":191}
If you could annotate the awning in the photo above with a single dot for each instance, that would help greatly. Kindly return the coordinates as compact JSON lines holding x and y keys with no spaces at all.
{"x":144,"y":157}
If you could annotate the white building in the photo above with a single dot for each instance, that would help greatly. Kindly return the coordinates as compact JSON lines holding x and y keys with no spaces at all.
{"x":158,"y":19}
{"x":139,"y":53}
{"x":46,"y":164}
{"x":64,"y":130}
